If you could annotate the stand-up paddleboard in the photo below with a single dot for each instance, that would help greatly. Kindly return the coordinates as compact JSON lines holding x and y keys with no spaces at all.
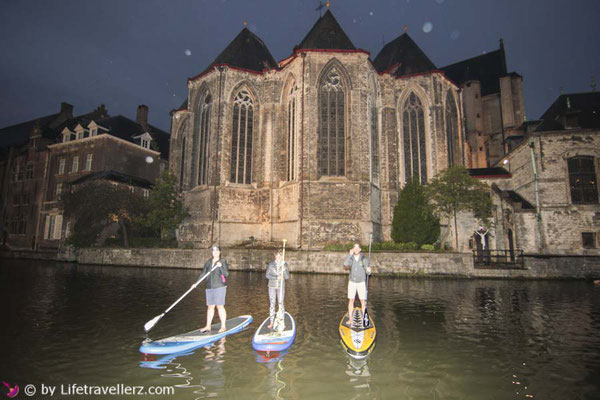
{"x":266,"y":339}
{"x":195,"y":339}
{"x":358,"y":340}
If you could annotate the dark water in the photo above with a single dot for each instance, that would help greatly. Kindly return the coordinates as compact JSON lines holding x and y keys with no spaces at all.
{"x":437,"y":338}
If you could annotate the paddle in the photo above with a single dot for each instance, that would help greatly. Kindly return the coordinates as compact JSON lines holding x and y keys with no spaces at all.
{"x":279,"y":324}
{"x":366,"y":320}
{"x":150,"y":324}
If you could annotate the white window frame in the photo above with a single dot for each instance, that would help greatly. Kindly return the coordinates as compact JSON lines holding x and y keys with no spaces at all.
{"x":62,"y":162}
{"x":88,"y":162}
{"x":75,"y":164}
{"x":145,"y":143}
{"x":59,"y":189}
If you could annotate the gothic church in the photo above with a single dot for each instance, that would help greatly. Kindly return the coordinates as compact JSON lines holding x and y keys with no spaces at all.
{"x":314,"y":148}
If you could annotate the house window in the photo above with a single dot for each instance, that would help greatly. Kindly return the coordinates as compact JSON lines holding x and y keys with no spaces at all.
{"x":588,"y":240}
{"x":75,"y":165}
{"x":415,"y":155}
{"x":582,"y":180}
{"x":93,"y":131}
{"x":61,"y":166}
{"x":291,"y":132}
{"x":331,"y":148}
{"x":79,"y":134}
{"x":452,"y":130}
{"x":241,"y":143}
{"x":145,"y":143}
{"x":59,"y":188}
{"x":53,"y":227}
{"x":29,"y":171}
{"x":204,"y":130}
{"x":19,"y":172}
{"x":66,"y":136}
{"x":145,"y":192}
{"x":88,"y":162}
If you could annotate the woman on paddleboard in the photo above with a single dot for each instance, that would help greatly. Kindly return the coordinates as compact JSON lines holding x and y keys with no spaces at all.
{"x":359,"y":268}
{"x":216,"y":288}
{"x":275,"y":270}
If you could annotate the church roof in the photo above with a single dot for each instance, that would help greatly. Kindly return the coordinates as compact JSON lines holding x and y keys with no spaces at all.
{"x":404,"y":54}
{"x":486,"y":68}
{"x":114,"y":176}
{"x":582,"y":109}
{"x":327,"y":34}
{"x":246,"y":51}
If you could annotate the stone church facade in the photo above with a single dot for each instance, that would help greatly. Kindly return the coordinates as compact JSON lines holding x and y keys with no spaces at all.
{"x":312,"y":149}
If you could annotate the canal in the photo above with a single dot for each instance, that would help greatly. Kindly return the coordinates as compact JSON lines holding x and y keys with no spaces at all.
{"x":66,"y":324}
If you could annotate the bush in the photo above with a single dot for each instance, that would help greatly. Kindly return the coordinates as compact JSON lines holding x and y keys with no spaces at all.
{"x":413,"y":219}
{"x":428,"y":247}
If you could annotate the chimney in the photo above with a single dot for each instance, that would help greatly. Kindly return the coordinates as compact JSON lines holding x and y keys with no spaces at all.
{"x":66,"y":110}
{"x":142,"y":116}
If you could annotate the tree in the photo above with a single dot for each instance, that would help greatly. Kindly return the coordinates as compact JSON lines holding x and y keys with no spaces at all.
{"x":166,"y":210}
{"x":413,"y":219}
{"x":94,"y":205}
{"x":454,"y":190}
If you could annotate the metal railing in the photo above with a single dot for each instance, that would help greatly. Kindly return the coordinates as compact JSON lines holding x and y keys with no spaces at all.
{"x":498,"y":259}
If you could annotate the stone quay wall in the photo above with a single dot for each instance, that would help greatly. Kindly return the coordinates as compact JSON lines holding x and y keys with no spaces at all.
{"x":330,"y":262}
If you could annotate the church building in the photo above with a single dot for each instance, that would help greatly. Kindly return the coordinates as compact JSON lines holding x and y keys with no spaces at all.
{"x":313,"y":148}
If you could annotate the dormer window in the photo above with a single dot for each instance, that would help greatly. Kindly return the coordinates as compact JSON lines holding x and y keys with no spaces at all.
{"x":145,"y":143}
{"x":66,"y":135}
{"x":93,"y":131}
{"x":144,"y":140}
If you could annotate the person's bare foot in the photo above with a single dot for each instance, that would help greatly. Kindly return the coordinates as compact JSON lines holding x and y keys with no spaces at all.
{"x":222,"y":329}
{"x":205,"y":329}
{"x":270,"y":326}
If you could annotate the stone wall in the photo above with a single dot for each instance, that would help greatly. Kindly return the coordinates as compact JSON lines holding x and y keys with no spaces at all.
{"x":411,"y":264}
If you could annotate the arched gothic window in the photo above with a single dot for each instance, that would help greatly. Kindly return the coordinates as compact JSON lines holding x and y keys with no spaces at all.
{"x":331,"y":147}
{"x":203,"y":141}
{"x":291,"y":132}
{"x":452,"y":130}
{"x":415,"y":154}
{"x":241,"y":143}
{"x":374,"y":145}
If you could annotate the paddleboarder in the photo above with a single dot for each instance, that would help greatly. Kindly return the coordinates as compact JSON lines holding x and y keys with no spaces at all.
{"x":275,"y":270}
{"x":216,"y":288}
{"x":359,"y":266}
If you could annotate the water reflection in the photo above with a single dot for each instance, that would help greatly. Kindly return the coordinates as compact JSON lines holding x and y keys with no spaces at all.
{"x":359,"y":375}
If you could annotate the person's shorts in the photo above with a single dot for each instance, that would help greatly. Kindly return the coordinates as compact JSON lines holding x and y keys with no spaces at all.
{"x":216,"y":297}
{"x":357,"y":287}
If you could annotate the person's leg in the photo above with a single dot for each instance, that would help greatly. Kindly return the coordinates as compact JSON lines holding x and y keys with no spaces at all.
{"x":222,"y":317}
{"x":362,"y":294}
{"x":272,"y":300}
{"x":351,"y":296}
{"x":210,"y":313}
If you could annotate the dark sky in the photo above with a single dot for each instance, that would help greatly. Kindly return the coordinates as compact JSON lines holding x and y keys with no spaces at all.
{"x":128,"y":52}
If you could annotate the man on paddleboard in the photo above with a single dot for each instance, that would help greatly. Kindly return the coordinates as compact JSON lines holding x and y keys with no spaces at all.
{"x":275,"y":270}
{"x":359,"y":268}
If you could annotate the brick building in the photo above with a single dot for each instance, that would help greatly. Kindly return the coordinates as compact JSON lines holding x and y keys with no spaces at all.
{"x":313,"y":148}
{"x":62,"y":150}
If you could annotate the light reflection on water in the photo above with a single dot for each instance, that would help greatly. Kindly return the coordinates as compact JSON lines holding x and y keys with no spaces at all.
{"x":437,"y":338}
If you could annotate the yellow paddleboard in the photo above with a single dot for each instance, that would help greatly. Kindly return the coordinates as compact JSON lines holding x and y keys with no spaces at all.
{"x":358,"y":340}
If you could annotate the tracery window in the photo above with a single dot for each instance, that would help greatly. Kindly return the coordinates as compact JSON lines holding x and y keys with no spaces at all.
{"x":374,"y":146}
{"x":452,"y":130}
{"x":204,"y":129}
{"x":415,"y":154}
{"x":331,"y":146}
{"x":291,"y":132}
{"x":241,"y":143}
{"x":582,"y":180}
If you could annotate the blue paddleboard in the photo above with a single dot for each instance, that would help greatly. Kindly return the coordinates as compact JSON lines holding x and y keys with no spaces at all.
{"x":195,"y":339}
{"x":266,"y":339}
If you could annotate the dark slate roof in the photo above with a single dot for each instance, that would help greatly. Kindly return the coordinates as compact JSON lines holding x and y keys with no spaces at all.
{"x":50,"y":126}
{"x":516,"y":198}
{"x":486,"y":68}
{"x":496,"y":171}
{"x":126,"y":129}
{"x":18,"y":134}
{"x":116,"y":177}
{"x":246,"y":51}
{"x":326,"y":34}
{"x":404,"y":53}
{"x":584,"y":108}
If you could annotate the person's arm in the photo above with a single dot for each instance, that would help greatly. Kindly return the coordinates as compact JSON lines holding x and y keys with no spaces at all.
{"x":204,"y":270}
{"x":367,"y":264}
{"x":224,"y":267}
{"x":271,"y":271}
{"x":286,"y":271}
{"x":348,"y":260}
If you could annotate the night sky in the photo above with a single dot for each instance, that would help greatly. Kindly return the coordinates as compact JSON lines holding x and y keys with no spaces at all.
{"x":123,"y":53}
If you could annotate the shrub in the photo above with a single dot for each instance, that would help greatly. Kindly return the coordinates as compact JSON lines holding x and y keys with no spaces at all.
{"x":413,"y":219}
